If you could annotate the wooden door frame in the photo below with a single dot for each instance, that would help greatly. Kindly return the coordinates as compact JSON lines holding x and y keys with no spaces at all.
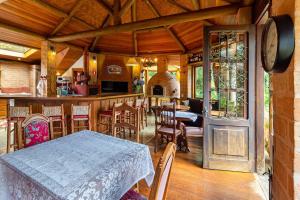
{"x":251,"y":87}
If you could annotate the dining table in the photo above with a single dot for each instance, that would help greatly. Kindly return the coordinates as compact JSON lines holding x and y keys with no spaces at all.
{"x":82,"y":165}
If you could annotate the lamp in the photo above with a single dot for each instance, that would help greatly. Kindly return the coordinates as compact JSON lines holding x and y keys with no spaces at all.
{"x":149,"y":62}
{"x":132,"y":62}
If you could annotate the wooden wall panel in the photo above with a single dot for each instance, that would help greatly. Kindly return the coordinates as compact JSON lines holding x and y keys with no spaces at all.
{"x":121,"y":42}
{"x":20,"y":14}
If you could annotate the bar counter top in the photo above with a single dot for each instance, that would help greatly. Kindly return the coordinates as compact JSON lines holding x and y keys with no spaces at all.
{"x":72,"y":98}
{"x":98,"y":103}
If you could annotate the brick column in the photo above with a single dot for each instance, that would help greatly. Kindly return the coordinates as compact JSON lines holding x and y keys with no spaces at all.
{"x":286,"y":106}
{"x":48,"y":65}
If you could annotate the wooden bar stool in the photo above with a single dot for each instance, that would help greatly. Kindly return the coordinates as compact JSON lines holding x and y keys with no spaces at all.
{"x":82,"y":115}
{"x":145,"y":107}
{"x":105,"y":119}
{"x":15,"y":115}
{"x":57,"y":116}
{"x":119,"y":124}
{"x":139,"y":105}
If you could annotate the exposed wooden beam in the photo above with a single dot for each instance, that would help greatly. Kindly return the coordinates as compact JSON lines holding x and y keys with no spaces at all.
{"x":107,"y":20}
{"x":66,"y":20}
{"x":170,"y":31}
{"x":103,"y":25}
{"x":243,"y":2}
{"x":186,"y":9}
{"x":203,"y":14}
{"x":196,"y":4}
{"x":28,"y":34}
{"x":126,"y":6}
{"x":104,"y":5}
{"x":133,"y":19}
{"x":32,"y":35}
{"x":57,"y":11}
{"x":116,"y":12}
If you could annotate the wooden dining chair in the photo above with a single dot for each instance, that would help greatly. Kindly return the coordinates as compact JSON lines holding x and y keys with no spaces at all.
{"x":120,"y":121}
{"x":160,"y":183}
{"x":37,"y":128}
{"x":15,"y":114}
{"x":166,"y":124}
{"x":56,"y":113}
{"x":80,"y":117}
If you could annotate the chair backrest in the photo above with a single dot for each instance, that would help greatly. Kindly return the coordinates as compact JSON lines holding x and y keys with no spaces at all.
{"x":165,"y":116}
{"x":37,"y":129}
{"x":138,"y":103}
{"x":81,"y":112}
{"x":55,"y":112}
{"x":17,"y":112}
{"x":162,"y":174}
{"x":122,"y":122}
{"x":130,"y":103}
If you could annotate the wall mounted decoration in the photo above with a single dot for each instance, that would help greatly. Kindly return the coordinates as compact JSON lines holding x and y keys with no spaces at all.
{"x":278,"y":43}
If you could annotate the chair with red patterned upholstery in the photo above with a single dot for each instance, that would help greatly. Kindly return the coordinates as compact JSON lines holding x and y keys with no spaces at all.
{"x":37,"y":129}
{"x":80,"y":117}
{"x":161,"y":179}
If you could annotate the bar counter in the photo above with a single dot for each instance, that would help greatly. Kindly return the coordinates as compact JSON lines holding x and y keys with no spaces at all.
{"x":98,"y":103}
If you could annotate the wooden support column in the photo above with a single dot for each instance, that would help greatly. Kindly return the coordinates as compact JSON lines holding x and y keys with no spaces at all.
{"x":183,"y":76}
{"x":48,"y":65}
{"x":92,"y":68}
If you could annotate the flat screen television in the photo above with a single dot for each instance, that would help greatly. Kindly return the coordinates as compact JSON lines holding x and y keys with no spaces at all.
{"x":114,"y":87}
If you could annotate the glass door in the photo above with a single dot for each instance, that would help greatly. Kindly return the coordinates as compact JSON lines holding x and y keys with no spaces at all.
{"x":229,"y":98}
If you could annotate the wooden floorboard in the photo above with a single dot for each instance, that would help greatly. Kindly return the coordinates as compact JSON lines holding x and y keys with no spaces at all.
{"x":189,"y":181}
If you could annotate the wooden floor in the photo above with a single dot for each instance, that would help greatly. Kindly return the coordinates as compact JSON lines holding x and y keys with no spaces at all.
{"x":191,"y":182}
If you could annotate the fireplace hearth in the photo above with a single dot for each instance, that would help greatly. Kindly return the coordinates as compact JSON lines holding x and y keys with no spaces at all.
{"x":158,"y":90}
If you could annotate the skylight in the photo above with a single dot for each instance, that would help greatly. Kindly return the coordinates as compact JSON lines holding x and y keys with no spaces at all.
{"x":15,"y":50}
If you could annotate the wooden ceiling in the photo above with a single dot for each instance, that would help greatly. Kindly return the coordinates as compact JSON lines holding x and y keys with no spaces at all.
{"x":28,"y":22}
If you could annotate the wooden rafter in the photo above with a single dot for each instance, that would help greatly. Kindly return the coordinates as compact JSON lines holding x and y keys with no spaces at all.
{"x":31,"y":35}
{"x":57,"y":11}
{"x":203,"y":14}
{"x":170,"y":31}
{"x":104,"y":5}
{"x":133,"y":19}
{"x":116,"y":12}
{"x":126,"y":7}
{"x":243,"y":2}
{"x":196,"y":4}
{"x":67,"y":19}
{"x":186,"y":9}
{"x":105,"y":23}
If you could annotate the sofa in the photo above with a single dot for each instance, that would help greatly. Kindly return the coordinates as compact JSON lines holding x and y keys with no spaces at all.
{"x":196,"y":106}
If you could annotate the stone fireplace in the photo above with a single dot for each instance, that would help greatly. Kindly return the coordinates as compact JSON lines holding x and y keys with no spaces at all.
{"x":163,"y":83}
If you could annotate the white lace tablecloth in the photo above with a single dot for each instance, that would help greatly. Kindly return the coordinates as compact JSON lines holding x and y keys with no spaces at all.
{"x":85,"y":165}
{"x":183,"y":115}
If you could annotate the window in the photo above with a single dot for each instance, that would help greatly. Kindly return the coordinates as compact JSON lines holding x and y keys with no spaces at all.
{"x":198,"y":82}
